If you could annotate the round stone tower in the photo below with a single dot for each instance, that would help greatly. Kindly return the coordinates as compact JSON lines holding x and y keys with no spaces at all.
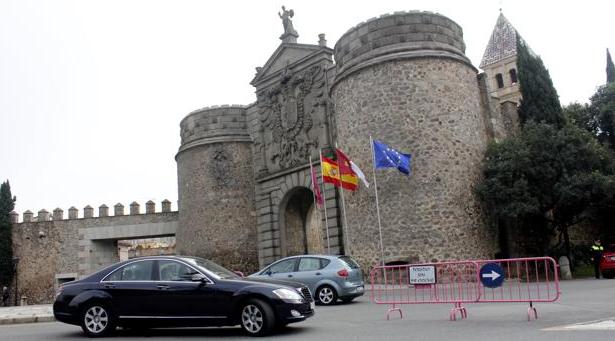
{"x":405,"y":80}
{"x":216,"y":188}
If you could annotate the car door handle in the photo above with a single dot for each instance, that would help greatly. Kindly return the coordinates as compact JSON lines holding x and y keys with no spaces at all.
{"x":110,"y":286}
{"x":163,"y":287}
{"x":290,"y":275}
{"x":318,"y":274}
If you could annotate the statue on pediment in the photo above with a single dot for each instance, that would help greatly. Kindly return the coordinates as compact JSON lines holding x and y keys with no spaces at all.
{"x":289,"y":35}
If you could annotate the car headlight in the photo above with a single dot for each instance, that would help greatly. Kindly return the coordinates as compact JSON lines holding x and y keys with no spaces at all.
{"x":288,"y":295}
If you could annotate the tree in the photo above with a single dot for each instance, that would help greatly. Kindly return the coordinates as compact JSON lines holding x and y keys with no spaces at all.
{"x":579,"y":115}
{"x":7,"y":204}
{"x":539,"y":99}
{"x":610,"y":68}
{"x":556,"y":175}
{"x":602,"y":110}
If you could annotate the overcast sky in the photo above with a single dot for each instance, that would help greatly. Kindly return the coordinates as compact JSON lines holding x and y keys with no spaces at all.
{"x":92,"y":92}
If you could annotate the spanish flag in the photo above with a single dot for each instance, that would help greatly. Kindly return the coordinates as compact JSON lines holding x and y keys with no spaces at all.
{"x":331,"y":174}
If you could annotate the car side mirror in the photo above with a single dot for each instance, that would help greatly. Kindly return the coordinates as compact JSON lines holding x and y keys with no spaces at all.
{"x":268,"y":273}
{"x":199,"y":278}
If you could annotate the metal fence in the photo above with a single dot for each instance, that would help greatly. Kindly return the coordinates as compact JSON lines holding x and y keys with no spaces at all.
{"x":528,"y":280}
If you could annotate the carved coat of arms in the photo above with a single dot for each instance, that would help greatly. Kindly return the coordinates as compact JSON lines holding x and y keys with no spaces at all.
{"x":286,"y":110}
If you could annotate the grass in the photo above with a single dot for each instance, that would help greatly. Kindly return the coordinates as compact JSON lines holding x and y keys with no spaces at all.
{"x":583,"y":271}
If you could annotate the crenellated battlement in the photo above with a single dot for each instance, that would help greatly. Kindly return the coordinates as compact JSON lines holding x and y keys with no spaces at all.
{"x":88,"y":212}
{"x":225,"y":123}
{"x":400,"y":35}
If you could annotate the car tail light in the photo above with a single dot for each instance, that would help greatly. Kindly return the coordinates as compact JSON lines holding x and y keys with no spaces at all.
{"x":343,"y":273}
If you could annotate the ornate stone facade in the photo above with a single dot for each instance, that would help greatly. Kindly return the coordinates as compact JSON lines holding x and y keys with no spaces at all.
{"x":245,"y":190}
{"x":403,"y":78}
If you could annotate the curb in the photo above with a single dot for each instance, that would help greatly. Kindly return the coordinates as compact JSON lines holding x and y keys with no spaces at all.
{"x":26,"y":319}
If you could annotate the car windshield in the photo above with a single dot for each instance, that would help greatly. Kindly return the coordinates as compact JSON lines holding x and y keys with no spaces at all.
{"x":216,"y":269}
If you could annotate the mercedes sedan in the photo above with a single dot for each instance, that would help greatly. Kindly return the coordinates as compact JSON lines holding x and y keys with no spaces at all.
{"x":177,"y":291}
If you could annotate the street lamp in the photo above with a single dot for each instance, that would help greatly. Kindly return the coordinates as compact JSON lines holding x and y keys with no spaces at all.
{"x":15,"y":262}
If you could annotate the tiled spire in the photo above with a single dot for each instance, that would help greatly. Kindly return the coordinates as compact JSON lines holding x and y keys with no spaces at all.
{"x":502,"y":44}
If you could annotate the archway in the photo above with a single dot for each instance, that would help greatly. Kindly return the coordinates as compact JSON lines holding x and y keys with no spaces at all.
{"x":301,"y":224}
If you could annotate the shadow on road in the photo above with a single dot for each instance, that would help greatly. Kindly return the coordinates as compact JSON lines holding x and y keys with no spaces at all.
{"x":230,"y":332}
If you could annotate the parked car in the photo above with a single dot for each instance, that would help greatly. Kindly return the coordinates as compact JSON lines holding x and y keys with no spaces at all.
{"x":607,"y":263}
{"x":177,"y":291}
{"x":329,"y":277}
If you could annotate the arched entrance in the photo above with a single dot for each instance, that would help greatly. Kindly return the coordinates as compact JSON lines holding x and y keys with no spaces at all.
{"x":301,"y":224}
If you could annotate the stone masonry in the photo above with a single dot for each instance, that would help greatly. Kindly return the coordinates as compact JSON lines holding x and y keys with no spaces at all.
{"x":53,"y":250}
{"x":244,"y":182}
{"x":405,"y":80}
{"x":216,"y":188}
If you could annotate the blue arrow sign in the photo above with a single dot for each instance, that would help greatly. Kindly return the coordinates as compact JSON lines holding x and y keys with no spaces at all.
{"x":492,"y":275}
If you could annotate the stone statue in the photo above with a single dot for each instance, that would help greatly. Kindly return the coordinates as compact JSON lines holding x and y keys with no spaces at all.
{"x":289,"y":30}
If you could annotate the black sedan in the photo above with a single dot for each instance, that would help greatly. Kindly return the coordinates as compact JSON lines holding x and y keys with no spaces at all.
{"x":177,"y":291}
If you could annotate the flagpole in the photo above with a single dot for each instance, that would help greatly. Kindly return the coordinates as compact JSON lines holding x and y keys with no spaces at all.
{"x":324,"y":199}
{"x":371,"y":144}
{"x":345,"y":227}
{"x":313,"y":185}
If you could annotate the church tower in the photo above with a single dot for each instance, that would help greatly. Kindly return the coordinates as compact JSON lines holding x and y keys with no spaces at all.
{"x":500,"y":63}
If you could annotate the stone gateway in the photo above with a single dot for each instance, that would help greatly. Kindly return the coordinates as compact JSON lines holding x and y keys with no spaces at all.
{"x":243,"y":171}
{"x":402,"y":78}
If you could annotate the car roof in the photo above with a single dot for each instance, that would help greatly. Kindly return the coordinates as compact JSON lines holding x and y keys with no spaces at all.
{"x":317,"y":255}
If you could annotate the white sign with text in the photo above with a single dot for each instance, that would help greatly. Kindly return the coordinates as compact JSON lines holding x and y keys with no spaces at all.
{"x":422,"y":274}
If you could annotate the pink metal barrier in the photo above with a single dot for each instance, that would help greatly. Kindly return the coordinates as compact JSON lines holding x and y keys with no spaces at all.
{"x":528,"y":280}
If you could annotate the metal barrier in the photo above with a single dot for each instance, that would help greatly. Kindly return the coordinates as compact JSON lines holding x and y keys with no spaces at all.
{"x":528,"y":280}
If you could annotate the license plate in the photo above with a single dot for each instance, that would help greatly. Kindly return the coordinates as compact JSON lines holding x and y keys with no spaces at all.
{"x":312,"y":305}
{"x":612,"y":257}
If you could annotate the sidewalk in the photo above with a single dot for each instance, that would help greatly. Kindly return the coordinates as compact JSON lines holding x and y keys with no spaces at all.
{"x":26,"y":314}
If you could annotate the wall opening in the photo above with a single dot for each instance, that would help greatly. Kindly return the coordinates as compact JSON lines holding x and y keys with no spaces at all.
{"x":132,"y":248}
{"x":513,"y":76}
{"x":500,"y":80}
{"x":301,"y":224}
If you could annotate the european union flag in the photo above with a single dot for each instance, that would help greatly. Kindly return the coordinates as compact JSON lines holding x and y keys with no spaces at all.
{"x":386,"y":157}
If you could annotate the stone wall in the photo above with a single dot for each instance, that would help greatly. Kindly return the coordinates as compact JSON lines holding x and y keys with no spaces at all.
{"x":404,"y":79}
{"x":54,"y":250}
{"x":216,"y":188}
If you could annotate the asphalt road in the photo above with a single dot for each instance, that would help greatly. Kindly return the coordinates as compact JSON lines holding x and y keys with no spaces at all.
{"x":582,"y":301}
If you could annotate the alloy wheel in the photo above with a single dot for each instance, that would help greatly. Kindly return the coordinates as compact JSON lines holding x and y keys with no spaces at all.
{"x":96,"y":319}
{"x":325,"y":295}
{"x":252,"y":318}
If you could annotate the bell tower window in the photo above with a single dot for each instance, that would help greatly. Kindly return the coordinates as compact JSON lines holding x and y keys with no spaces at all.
{"x":513,"y":76}
{"x":500,"y":80}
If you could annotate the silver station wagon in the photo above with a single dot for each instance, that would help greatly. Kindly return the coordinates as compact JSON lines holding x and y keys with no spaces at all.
{"x":329,"y":278}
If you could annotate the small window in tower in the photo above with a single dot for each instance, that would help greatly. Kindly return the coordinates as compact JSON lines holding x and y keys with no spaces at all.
{"x":500,"y":80}
{"x":513,"y":76}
